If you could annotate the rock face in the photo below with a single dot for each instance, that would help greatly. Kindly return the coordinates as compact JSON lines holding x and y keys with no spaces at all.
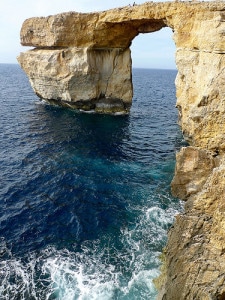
{"x":195,"y":253}
{"x":83,"y":61}
{"x":96,"y":79}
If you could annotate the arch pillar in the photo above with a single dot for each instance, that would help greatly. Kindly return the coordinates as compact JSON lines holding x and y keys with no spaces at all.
{"x":82,"y":78}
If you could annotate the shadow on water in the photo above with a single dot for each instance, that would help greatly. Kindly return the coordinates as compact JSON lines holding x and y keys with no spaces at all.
{"x":98,"y":135}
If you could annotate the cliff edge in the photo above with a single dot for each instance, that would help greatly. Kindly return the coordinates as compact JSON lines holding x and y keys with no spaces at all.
{"x":83,"y":61}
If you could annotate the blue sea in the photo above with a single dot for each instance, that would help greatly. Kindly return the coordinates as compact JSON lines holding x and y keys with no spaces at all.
{"x":85,"y":202}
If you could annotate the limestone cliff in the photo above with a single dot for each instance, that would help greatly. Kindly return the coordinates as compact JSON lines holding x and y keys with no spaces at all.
{"x":83,"y":61}
{"x":195,"y":253}
{"x":96,"y":79}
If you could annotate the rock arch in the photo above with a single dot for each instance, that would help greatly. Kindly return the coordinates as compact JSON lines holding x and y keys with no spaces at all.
{"x":83,"y":61}
{"x":88,"y":67}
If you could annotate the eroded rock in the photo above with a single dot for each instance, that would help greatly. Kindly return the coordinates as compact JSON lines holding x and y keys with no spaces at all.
{"x":81,"y":78}
{"x":195,"y":253}
{"x":193,"y":167}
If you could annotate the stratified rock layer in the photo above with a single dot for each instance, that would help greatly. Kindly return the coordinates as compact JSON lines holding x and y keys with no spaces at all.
{"x":83,"y":61}
{"x":96,"y":79}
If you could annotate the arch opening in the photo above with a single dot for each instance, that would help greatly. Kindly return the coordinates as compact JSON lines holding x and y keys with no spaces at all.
{"x":153,"y":77}
{"x":155,"y":50}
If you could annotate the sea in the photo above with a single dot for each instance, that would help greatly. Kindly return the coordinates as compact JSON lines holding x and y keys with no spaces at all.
{"x":85,"y":201}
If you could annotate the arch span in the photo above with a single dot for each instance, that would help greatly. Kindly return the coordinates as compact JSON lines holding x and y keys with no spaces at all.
{"x":88,"y":67}
{"x":154,"y":51}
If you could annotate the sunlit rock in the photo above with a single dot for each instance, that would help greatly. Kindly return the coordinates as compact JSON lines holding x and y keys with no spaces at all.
{"x":193,"y":166}
{"x":81,"y":78}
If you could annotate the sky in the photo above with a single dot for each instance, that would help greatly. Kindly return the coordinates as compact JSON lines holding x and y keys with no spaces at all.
{"x":152,"y":50}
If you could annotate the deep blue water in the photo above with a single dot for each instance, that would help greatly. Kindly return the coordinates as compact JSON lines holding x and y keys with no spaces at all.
{"x":85,"y":198}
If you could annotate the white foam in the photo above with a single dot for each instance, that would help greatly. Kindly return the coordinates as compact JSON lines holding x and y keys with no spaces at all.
{"x":91,"y":111}
{"x":98,"y":271}
{"x":143,"y":278}
{"x":72,"y":277}
{"x":160,"y":217}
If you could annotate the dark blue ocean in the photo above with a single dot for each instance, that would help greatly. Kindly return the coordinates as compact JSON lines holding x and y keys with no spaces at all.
{"x":85,"y":202}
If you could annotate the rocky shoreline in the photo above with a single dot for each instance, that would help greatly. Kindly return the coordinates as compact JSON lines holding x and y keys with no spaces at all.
{"x":195,"y":253}
{"x":85,"y":58}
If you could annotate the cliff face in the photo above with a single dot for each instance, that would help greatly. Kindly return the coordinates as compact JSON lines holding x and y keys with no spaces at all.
{"x":195,"y":253}
{"x":81,"y":78}
{"x":83,"y":61}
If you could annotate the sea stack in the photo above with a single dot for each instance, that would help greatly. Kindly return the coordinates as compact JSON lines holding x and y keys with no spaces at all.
{"x":83,"y":61}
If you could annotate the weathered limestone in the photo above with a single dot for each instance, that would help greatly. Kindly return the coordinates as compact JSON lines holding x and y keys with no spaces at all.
{"x":201,"y":79}
{"x":193,"y":166}
{"x":83,"y":61}
{"x":195,"y":253}
{"x":96,"y":79}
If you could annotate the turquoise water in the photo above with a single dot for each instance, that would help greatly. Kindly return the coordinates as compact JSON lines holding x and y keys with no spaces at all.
{"x":85,"y":198}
